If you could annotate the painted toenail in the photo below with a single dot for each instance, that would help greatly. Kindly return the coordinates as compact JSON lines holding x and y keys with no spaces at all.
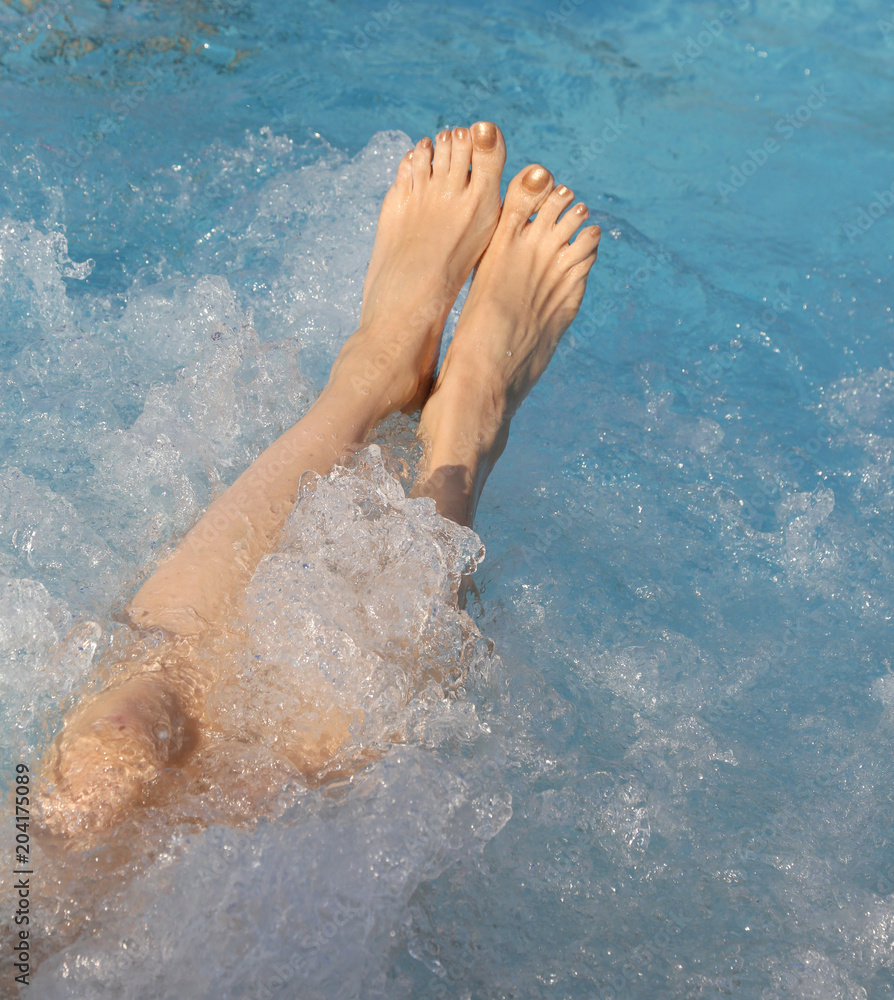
{"x":425,"y":142}
{"x":581,"y":209}
{"x":536,"y":179}
{"x":484,"y":135}
{"x":444,"y":135}
{"x":460,"y":134}
{"x":561,"y":191}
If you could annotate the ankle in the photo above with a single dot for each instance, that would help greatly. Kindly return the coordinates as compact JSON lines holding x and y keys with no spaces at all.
{"x":372,"y":370}
{"x":464,"y":427}
{"x":468,"y":404}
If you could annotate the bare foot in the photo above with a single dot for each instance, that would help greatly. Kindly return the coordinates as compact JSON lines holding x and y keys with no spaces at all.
{"x":110,"y":749}
{"x":436,"y":221}
{"x":527,"y":290}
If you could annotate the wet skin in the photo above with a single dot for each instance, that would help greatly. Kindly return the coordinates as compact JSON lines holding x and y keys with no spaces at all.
{"x":441,"y":218}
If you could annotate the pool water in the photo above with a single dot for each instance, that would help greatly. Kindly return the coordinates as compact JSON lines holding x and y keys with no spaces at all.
{"x":669,"y":771}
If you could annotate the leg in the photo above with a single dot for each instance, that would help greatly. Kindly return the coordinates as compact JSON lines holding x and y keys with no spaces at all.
{"x":126,"y":734}
{"x":527,"y":290}
{"x":435,"y":223}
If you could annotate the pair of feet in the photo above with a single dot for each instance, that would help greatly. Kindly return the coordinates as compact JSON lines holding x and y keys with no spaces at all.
{"x":441,"y":218}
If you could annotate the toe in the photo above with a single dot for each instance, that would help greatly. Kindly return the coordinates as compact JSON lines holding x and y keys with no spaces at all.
{"x":527,"y":193}
{"x":488,"y":153}
{"x":584,"y":248}
{"x":441,"y":162}
{"x":570,"y":221}
{"x":404,"y":180}
{"x":421,"y":161}
{"x":555,"y":204}
{"x":461,"y":157}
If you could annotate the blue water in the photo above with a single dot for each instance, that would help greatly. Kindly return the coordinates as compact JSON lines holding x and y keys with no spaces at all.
{"x":672,"y":776}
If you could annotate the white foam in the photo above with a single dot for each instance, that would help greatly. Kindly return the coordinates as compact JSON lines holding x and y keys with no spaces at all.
{"x":32,"y":266}
{"x":315,"y":902}
{"x":361,"y":595}
{"x":359,"y":598}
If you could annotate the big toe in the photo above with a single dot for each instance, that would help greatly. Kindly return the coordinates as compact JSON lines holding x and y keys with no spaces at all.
{"x":527,"y":193}
{"x":488,"y":154}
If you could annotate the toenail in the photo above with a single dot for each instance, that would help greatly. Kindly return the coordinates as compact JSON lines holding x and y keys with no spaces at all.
{"x":425,"y":142}
{"x":536,"y":178}
{"x":561,"y":191}
{"x":461,"y":134}
{"x":581,"y":209}
{"x":484,"y":135}
{"x":444,"y":135}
